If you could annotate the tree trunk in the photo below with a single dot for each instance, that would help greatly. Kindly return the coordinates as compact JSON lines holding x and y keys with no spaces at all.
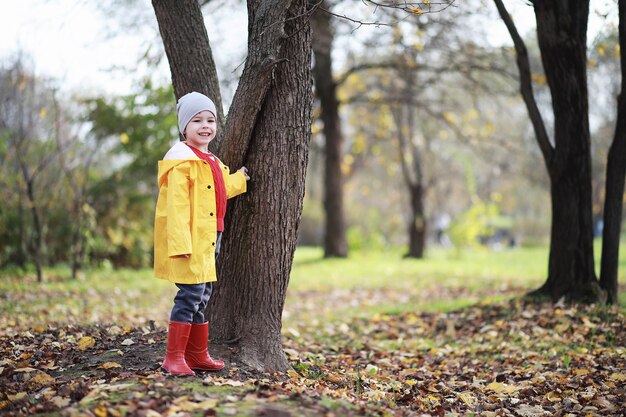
{"x":268,"y":130}
{"x":615,"y":172}
{"x":410,"y":158}
{"x":335,"y":243}
{"x":417,"y":225}
{"x":76,"y":237}
{"x":562,"y":36}
{"x":187,"y":46}
{"x":38,"y":241}
{"x":261,"y":228}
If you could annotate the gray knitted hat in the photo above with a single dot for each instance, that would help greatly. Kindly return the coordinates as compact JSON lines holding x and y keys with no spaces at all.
{"x":191,"y":104}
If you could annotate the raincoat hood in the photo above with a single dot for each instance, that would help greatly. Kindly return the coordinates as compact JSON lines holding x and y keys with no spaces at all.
{"x":177,"y":155}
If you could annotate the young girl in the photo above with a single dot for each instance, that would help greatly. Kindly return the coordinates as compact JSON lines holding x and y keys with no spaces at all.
{"x":193,"y":187}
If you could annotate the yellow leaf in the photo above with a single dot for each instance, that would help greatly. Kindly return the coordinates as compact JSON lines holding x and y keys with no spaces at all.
{"x":618,"y":376}
{"x":43,"y":112}
{"x":468,"y":399}
{"x":42,"y":378}
{"x":17,"y":396}
{"x":86,"y":342}
{"x":100,"y":411}
{"x":109,"y":365}
{"x":410,"y":382}
{"x":499,"y":388}
{"x":553,"y":397}
{"x":124,"y":138}
{"x":580,"y":371}
{"x":293,"y":374}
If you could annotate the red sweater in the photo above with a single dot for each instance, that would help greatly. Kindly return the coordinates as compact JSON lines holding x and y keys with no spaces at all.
{"x":220,"y":187}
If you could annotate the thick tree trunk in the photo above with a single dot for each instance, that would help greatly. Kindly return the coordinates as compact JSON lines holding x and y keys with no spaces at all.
{"x":417,"y":225}
{"x":268,"y":130}
{"x":187,"y":46}
{"x":335,"y":243}
{"x":261,"y":229}
{"x":615,"y":173}
{"x":562,"y":30}
{"x":570,"y":267}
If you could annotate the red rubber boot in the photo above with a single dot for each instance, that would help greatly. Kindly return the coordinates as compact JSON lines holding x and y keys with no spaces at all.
{"x":177,"y":337}
{"x":197,"y":351}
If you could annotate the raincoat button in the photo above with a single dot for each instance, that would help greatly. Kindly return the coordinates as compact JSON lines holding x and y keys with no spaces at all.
{"x":208,"y":186}
{"x":210,"y":214}
{"x":213,"y":243}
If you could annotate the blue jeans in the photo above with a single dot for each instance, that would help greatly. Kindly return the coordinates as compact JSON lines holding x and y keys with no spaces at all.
{"x":191,"y":299}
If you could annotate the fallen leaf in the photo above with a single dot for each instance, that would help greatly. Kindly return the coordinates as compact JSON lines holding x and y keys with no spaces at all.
{"x":86,"y":342}
{"x":500,"y":387}
{"x":553,"y":397}
{"x":128,"y":342}
{"x":61,"y":401}
{"x":292,"y":353}
{"x":109,"y":365}
{"x":17,"y":396}
{"x":27,"y":369}
{"x":525,"y":410}
{"x":42,"y":378}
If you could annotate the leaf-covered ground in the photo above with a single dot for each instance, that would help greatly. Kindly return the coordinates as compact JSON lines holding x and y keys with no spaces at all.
{"x":495,"y":358}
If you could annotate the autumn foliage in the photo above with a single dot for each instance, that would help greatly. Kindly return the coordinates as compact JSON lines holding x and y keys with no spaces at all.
{"x":495,"y":358}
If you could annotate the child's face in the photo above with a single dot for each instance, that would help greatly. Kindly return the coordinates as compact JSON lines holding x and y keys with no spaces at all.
{"x":201,"y":129}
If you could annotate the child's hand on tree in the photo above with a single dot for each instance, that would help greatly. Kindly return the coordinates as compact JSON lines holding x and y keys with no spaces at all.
{"x":244,"y":171}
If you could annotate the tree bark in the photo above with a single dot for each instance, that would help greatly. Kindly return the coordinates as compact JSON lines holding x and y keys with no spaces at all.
{"x":335,"y":243}
{"x":615,"y":173}
{"x":262,"y":225}
{"x":187,"y":47}
{"x":417,"y":225}
{"x":37,"y":226}
{"x":562,"y":36}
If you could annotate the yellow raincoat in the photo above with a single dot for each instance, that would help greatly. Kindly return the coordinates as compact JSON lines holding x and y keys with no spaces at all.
{"x":183,"y":222}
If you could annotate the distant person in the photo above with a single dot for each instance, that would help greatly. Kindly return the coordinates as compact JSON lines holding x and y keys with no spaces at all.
{"x":193,"y":187}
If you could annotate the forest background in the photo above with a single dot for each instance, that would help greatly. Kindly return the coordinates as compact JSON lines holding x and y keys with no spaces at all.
{"x":469,"y":137}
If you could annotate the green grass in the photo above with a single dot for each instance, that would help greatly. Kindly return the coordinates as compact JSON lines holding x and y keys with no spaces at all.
{"x":383,"y":282}
{"x":471,"y":268}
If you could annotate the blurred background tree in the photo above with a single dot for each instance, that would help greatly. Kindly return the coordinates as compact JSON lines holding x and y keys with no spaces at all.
{"x":432,"y":129}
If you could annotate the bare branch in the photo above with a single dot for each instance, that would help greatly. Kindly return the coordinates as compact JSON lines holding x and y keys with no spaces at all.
{"x":415,"y":8}
{"x":526,"y":88}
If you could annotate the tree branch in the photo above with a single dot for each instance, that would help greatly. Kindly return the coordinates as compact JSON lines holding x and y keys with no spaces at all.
{"x":526,"y":88}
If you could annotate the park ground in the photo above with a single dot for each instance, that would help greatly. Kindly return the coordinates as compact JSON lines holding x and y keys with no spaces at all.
{"x":374,"y":334}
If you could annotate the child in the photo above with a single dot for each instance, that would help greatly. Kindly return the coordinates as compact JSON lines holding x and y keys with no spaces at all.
{"x":193,"y":187}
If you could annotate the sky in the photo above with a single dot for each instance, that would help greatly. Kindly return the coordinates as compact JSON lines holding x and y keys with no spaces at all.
{"x":75,"y":43}
{"x":72,"y":42}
